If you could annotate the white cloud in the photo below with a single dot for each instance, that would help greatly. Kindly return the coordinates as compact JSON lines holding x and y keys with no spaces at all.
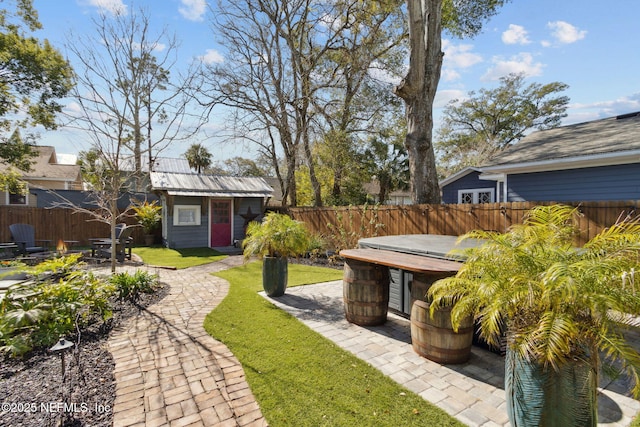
{"x":601,"y":109}
{"x":115,"y":7}
{"x":193,"y":10}
{"x":212,"y":56}
{"x":565,"y":33}
{"x":521,"y":63}
{"x":516,"y":34}
{"x":449,"y":75}
{"x":459,"y":56}
{"x":443,"y":97}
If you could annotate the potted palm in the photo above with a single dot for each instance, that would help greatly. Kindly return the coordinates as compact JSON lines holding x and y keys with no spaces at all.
{"x":561,"y":308}
{"x":275,"y":239}
{"x":149,"y":217}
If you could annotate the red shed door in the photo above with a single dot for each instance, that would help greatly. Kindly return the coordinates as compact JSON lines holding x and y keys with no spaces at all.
{"x":220,"y":222}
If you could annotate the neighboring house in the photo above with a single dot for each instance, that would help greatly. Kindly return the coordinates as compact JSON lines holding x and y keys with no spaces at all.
{"x":396,"y":197}
{"x":45,"y":174}
{"x":201,"y":210}
{"x":591,"y":161}
{"x":466,"y":186}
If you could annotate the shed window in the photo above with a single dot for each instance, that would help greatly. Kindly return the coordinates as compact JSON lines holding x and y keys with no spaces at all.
{"x":186,"y":215}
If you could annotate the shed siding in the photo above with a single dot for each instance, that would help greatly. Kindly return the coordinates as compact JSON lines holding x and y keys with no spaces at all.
{"x":239,"y":226}
{"x":620,"y":182}
{"x":188,"y":236}
{"x":198,"y":236}
{"x":469,"y":181}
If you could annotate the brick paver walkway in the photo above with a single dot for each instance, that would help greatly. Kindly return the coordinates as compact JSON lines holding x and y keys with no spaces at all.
{"x":169,"y":371}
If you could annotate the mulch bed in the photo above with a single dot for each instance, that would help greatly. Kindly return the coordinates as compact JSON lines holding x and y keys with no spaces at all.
{"x":31,"y":389}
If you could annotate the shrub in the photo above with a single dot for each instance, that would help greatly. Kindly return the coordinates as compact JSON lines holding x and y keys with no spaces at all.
{"x":131,"y":287}
{"x":60,"y":299}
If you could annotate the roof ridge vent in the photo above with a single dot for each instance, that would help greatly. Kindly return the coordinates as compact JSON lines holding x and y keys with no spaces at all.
{"x":628,"y":115}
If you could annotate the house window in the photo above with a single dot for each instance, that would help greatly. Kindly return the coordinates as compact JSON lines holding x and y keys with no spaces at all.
{"x":475,"y":196}
{"x":17,"y":199}
{"x":186,"y":215}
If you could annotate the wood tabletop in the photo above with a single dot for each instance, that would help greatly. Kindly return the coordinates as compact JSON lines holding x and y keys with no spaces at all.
{"x":410,"y":262}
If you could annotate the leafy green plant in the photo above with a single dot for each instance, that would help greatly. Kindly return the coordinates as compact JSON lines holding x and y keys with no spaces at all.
{"x":317,"y":245}
{"x":148,"y":215}
{"x":61,"y":298}
{"x":357,"y":224}
{"x":557,"y":304}
{"x":131,"y":287}
{"x":278,"y":235}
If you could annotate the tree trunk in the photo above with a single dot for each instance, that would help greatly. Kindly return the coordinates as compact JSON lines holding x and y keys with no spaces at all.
{"x":418,"y":90}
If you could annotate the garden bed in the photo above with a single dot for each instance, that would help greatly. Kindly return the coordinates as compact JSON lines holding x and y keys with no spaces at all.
{"x":30,"y":388}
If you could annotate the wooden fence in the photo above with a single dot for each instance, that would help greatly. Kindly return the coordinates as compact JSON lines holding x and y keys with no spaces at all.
{"x":59,"y":224}
{"x":342,"y":226}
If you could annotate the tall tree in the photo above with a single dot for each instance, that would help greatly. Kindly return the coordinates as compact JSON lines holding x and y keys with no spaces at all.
{"x":294,"y":69}
{"x":33,"y":76}
{"x":123,"y":87}
{"x":199,"y":157}
{"x":427,"y":18}
{"x":352,"y":100}
{"x":485,"y":123}
{"x":388,"y":161}
{"x":125,"y":80}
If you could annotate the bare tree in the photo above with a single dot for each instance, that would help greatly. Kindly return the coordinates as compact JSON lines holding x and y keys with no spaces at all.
{"x":125,"y":77}
{"x":370,"y":43}
{"x":125,"y":94}
{"x":293,"y":69}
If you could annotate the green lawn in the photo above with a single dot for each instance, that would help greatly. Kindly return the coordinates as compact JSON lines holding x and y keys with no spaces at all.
{"x":300,"y":378}
{"x":177,"y":258}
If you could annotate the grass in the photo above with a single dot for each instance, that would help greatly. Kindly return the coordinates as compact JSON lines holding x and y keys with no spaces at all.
{"x":177,"y":258}
{"x":299,"y":377}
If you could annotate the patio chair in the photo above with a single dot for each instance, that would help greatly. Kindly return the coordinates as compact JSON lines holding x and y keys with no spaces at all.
{"x":122,"y":245}
{"x":24,"y":236}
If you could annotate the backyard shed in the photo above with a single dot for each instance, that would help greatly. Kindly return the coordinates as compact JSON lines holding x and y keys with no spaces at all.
{"x":200,"y":210}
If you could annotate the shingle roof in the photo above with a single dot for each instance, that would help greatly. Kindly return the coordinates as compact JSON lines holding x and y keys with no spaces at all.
{"x":614,"y":136}
{"x":45,"y":166}
{"x":209,"y":185}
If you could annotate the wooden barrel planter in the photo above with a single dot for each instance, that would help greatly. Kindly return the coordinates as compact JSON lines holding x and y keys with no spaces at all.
{"x":435,"y":339}
{"x":366,"y":292}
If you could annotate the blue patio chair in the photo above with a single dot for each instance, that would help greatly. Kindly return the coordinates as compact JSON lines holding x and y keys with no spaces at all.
{"x":24,"y":236}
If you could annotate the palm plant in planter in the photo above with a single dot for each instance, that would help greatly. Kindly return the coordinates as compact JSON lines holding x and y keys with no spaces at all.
{"x":275,"y":239}
{"x":149,"y":217}
{"x":563,"y":310}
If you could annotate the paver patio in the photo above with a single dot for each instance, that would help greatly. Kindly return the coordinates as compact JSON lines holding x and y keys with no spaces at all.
{"x":472,"y":392}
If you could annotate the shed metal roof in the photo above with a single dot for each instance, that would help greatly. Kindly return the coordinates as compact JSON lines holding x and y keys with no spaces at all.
{"x":209,"y":185}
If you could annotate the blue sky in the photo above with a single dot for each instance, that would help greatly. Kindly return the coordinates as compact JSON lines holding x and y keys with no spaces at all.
{"x":592,"y":46}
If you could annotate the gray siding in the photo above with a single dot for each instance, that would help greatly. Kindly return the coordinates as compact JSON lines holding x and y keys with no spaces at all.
{"x":621,"y":182}
{"x":188,"y":236}
{"x":198,"y":236}
{"x":239,"y":226}
{"x":469,"y":181}
{"x":83,"y":199}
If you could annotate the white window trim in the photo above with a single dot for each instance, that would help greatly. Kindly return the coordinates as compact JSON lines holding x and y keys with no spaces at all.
{"x":193,"y":208}
{"x":476,"y":192}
